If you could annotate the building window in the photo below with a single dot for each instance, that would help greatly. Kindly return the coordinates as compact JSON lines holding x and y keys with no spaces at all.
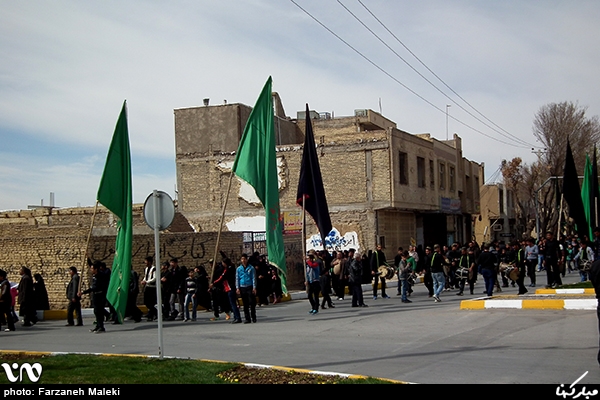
{"x":431,"y":175}
{"x":442,"y":176}
{"x":403,"y":159}
{"x":452,"y":178}
{"x":469,"y":187}
{"x":421,"y":171}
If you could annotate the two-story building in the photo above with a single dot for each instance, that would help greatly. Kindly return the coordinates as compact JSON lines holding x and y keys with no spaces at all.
{"x":498,"y":215}
{"x":383,"y":185}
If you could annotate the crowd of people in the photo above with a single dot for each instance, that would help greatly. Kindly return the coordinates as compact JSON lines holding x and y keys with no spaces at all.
{"x":328,"y":276}
{"x":444,"y":268}
{"x":253,"y":280}
{"x":30,"y":294}
{"x":183,"y":290}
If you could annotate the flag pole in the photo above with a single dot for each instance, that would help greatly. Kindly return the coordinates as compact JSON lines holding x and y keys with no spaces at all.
{"x":595,"y":184}
{"x":87,"y":244}
{"x":303,"y":228}
{"x":212,"y":273}
{"x":304,"y":241}
{"x":562,"y":197}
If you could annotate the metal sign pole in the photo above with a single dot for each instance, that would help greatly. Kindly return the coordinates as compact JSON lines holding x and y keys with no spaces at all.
{"x":158,"y":271}
{"x":159,"y":212}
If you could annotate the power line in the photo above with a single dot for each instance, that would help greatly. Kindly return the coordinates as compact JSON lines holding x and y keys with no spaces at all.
{"x":510,"y":136}
{"x":400,"y":83}
{"x":494,"y":176}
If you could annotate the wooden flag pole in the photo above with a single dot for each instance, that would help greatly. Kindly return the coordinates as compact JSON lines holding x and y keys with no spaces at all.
{"x":212,"y":273}
{"x":87,"y":244}
{"x":303,"y":227}
{"x":304,"y":241}
{"x":595,"y":222}
{"x":562,"y":197}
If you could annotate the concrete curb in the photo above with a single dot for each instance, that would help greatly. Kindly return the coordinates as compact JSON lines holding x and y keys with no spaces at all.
{"x":565,"y":291}
{"x":249,"y":365}
{"x":531,"y":304}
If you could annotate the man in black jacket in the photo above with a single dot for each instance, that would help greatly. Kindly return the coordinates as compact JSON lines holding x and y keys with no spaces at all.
{"x":553,"y":256}
{"x":377,"y":260}
{"x":98,"y":291}
{"x":173,"y":282}
{"x":74,"y":300}
{"x":436,"y":262}
{"x":487,"y":261}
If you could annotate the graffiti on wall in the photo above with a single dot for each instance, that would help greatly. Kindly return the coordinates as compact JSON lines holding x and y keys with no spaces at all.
{"x":334,"y":241}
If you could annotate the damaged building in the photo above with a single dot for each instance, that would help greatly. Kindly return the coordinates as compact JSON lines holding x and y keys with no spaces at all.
{"x":383,"y":185}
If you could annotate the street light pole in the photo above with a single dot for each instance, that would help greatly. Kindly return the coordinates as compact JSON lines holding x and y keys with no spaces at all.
{"x":447,"y":107}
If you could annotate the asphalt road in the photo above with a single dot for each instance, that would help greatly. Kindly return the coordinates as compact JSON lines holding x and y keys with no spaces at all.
{"x":421,"y":342}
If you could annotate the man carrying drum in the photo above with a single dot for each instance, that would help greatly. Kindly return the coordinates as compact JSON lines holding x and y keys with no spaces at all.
{"x":378,"y":260}
{"x":519,"y":262}
{"x":465,"y":270}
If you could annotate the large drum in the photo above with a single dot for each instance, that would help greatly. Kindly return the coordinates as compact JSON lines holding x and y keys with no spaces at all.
{"x":585,"y":265}
{"x":462,"y":273}
{"x":513,"y":273}
{"x":510,"y":271}
{"x":386,"y":272}
{"x":412,"y":278}
{"x":504,"y":266}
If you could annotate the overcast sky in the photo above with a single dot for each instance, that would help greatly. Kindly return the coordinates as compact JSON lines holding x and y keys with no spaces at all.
{"x":67,"y":67}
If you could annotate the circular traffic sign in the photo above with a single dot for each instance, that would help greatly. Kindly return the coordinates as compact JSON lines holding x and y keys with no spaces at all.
{"x":159,"y":210}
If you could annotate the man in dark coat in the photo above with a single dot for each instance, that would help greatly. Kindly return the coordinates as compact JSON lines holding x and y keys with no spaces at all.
{"x":377,"y":260}
{"x":553,"y":257}
{"x":98,"y":290}
{"x":355,"y":272}
{"x":74,"y":299}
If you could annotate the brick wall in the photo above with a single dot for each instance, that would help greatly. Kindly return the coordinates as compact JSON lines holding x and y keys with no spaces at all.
{"x":51,"y":249}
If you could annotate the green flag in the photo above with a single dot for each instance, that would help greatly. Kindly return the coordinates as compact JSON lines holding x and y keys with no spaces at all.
{"x":256,"y":163}
{"x":586,"y":193}
{"x":115,"y":194}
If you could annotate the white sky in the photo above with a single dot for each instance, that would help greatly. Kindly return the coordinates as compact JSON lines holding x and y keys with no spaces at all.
{"x":67,"y":66}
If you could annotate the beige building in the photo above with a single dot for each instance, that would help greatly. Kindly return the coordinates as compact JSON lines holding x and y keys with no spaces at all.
{"x":383,"y":185}
{"x":498,"y":217}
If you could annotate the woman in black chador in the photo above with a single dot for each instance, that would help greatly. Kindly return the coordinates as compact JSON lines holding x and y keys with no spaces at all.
{"x":40,"y":293}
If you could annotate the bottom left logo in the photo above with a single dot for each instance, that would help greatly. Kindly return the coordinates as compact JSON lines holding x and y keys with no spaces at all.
{"x":34,"y":372}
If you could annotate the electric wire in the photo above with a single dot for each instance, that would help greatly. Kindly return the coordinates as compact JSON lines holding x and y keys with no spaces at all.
{"x":399,"y":82}
{"x":506,"y":134}
{"x":440,"y":79}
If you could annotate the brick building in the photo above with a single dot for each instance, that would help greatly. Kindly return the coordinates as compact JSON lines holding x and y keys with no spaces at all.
{"x":382,"y":184}
{"x":498,"y":215}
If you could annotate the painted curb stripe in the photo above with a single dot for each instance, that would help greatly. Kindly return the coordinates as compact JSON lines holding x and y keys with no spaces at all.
{"x":543,"y":304}
{"x":472,"y":305}
{"x":582,"y":304}
{"x":546,"y":304}
{"x":503,"y":303}
{"x":565,"y":291}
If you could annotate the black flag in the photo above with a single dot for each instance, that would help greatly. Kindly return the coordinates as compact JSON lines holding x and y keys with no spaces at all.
{"x":572,"y":194}
{"x":310,"y":185}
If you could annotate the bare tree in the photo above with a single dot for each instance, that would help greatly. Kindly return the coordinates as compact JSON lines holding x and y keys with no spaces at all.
{"x":522,"y":180}
{"x":553,"y":124}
